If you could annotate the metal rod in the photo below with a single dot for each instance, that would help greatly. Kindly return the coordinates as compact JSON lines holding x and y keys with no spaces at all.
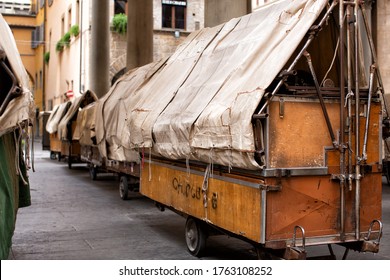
{"x":263,"y":215}
{"x":373,"y":53}
{"x":349,"y":94}
{"x":357,"y":124}
{"x":323,"y":107}
{"x":372,"y":73}
{"x":294,"y":63}
{"x":371,"y":42}
{"x":341,"y":141}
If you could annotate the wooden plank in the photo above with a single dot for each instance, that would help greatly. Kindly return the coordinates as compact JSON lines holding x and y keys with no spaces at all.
{"x":55,"y":143}
{"x":236,"y":208}
{"x":314,"y":203}
{"x":299,"y":137}
{"x":228,"y":203}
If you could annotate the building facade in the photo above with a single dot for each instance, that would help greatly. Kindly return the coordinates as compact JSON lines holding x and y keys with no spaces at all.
{"x":25,"y":19}
{"x":67,"y":71}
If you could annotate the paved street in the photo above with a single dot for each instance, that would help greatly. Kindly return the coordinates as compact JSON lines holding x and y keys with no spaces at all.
{"x":75,"y":218}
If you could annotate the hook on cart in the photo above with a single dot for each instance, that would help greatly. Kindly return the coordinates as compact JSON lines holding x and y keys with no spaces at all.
{"x":372,"y":245}
{"x":294,"y":252}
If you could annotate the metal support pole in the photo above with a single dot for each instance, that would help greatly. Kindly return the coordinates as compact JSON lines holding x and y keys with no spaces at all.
{"x":372,"y":73}
{"x":349,"y":94}
{"x":357,"y":124}
{"x":342,"y":100}
{"x":374,"y":56}
{"x":323,"y":107}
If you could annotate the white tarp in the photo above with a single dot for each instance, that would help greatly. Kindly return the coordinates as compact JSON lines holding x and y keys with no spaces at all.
{"x":113,"y":110}
{"x":21,"y":108}
{"x":55,"y":117}
{"x":85,"y":128}
{"x":200,"y":104}
{"x":76,"y":105}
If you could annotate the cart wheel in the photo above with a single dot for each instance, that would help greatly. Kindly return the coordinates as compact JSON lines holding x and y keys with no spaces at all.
{"x":123,"y":187}
{"x":92,"y":172}
{"x":262,"y":254}
{"x":388,"y":172}
{"x":52,"y":155}
{"x":195,"y":237}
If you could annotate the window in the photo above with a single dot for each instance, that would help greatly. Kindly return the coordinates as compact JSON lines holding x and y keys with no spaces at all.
{"x":77,"y":12}
{"x":69,"y":18}
{"x":37,"y":36}
{"x":174,"y":14}
{"x":62,"y":25}
{"x":120,"y":7}
{"x":40,"y":79}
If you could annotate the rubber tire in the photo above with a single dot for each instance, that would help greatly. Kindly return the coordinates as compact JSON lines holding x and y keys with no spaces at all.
{"x":93,"y":172}
{"x":123,"y":187}
{"x":195,"y":236}
{"x":53,"y":155}
{"x":388,"y":172}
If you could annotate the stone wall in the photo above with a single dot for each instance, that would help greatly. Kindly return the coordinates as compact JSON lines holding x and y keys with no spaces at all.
{"x":118,"y":53}
{"x":165,"y":42}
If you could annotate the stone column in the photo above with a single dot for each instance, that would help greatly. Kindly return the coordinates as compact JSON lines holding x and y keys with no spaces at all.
{"x":139,"y":33}
{"x":100,"y":47}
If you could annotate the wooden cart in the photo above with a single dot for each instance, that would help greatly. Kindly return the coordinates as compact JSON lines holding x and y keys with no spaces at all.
{"x":51,"y":127}
{"x":70,"y":147}
{"x":298,"y":200}
{"x":319,"y":143}
{"x":128,"y":173}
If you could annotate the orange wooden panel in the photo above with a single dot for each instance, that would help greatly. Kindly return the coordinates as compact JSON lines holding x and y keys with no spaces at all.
{"x":230,"y":205}
{"x":55,"y":143}
{"x":314,"y":204}
{"x":174,"y":188}
{"x":235,"y":207}
{"x":299,"y":138}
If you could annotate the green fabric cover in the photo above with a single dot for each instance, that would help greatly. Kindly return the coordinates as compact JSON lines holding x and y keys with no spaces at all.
{"x":13,"y":192}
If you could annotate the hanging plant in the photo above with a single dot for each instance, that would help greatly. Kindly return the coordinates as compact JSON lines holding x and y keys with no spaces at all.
{"x":46,"y":57}
{"x":75,"y":30}
{"x":66,"y":39}
{"x":119,"y":23}
{"x":60,"y":45}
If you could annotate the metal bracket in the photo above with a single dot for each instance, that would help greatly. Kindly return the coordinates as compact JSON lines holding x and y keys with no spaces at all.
{"x":214,"y":200}
{"x":281,"y":108}
{"x":267,"y":188}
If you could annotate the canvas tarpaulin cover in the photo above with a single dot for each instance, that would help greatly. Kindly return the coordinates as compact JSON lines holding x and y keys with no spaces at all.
{"x":14,"y":121}
{"x":56,"y":115}
{"x":77,"y":104}
{"x":200,"y":102}
{"x":85,"y":128}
